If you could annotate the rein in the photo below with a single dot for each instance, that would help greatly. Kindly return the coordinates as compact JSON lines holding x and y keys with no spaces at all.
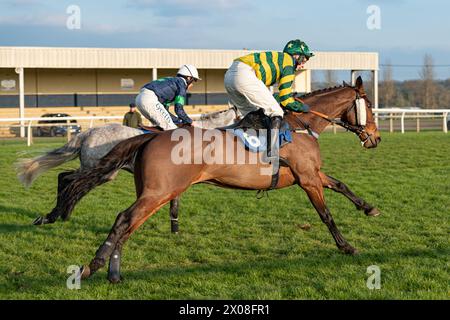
{"x":358,"y":130}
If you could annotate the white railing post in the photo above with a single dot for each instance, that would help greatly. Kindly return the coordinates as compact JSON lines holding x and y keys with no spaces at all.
{"x":403,"y":122}
{"x":391,"y":122}
{"x":444,"y":122}
{"x":30,"y":134}
{"x":418,"y":123}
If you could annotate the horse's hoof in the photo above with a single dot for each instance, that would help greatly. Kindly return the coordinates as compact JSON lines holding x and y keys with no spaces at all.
{"x":373,"y":212}
{"x":114,"y":279}
{"x":42,"y":220}
{"x":349,"y":250}
{"x":37,"y":221}
{"x":85,"y":272}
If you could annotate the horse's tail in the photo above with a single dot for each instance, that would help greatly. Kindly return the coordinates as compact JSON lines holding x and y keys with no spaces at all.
{"x":29,"y":169}
{"x":80,"y":183}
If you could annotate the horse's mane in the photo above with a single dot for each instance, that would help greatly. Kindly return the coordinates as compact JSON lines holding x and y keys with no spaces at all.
{"x":325,"y":90}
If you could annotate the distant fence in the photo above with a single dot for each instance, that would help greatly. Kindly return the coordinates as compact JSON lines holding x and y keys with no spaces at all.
{"x":381,"y":116}
{"x":415,"y":118}
{"x":28,"y":123}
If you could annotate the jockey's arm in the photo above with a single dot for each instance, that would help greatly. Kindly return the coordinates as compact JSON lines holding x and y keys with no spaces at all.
{"x":179,"y":110}
{"x":286,"y":96}
{"x":174,"y":118}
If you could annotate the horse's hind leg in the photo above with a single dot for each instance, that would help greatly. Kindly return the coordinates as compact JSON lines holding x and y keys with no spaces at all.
{"x":54,"y":214}
{"x":174,"y":207}
{"x":114,"y":260}
{"x":65,"y":215}
{"x":114,"y":263}
{"x":338,"y":186}
{"x":314,"y":190}
{"x":126,"y":223}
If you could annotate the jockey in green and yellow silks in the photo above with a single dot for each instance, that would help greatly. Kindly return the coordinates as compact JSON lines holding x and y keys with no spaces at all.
{"x":249,"y":77}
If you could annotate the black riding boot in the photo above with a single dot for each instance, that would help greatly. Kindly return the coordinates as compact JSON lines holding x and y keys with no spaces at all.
{"x":276,"y":122}
{"x":275,"y":126}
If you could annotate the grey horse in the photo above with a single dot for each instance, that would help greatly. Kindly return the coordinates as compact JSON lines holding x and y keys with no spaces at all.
{"x":90,"y":146}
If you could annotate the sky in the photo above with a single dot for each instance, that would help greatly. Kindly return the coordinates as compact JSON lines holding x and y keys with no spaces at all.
{"x":408,"y":29}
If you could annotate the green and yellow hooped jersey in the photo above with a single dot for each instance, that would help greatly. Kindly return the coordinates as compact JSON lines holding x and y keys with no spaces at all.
{"x":272,"y":67}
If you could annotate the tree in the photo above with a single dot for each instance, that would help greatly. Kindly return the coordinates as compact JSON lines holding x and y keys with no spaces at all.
{"x":429,"y":86}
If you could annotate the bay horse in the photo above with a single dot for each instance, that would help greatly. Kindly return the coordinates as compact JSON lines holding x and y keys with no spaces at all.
{"x":158,"y":179}
{"x":92,"y":145}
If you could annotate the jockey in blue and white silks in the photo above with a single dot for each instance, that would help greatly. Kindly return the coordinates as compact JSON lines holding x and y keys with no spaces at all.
{"x":155,"y":98}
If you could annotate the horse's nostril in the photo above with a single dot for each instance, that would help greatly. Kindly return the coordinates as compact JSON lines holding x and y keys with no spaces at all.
{"x":379,"y":139}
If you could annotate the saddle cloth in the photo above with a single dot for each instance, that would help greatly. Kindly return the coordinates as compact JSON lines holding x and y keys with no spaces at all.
{"x":256,"y":141}
{"x":252,"y":131}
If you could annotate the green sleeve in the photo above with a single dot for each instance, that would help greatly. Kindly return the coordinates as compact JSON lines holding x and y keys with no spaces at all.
{"x":296,"y":106}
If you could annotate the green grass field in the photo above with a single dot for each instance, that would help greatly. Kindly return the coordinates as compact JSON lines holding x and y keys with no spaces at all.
{"x":233,"y":246}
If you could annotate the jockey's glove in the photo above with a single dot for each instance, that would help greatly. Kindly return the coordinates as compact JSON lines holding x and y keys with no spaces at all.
{"x":305,"y":108}
{"x":298,"y":107}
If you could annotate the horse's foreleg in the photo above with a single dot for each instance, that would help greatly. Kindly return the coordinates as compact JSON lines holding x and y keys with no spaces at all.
{"x":340,"y":187}
{"x":174,"y":205}
{"x":314,"y":190}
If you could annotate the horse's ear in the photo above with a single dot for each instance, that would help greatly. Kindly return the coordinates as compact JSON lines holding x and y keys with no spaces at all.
{"x":359,"y":83}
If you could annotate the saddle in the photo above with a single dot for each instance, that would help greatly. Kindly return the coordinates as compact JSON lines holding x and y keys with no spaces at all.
{"x":147,"y":129}
{"x":255,"y":120}
{"x":254,"y":142}
{"x":156,"y":129}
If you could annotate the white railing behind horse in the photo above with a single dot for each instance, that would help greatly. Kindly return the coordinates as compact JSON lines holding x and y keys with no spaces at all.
{"x":390,"y":114}
{"x":28,"y":123}
{"x":417,"y":114}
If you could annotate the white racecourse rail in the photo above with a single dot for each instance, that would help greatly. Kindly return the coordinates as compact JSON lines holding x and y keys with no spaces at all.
{"x":417,"y":114}
{"x":28,"y":122}
{"x":385,"y":113}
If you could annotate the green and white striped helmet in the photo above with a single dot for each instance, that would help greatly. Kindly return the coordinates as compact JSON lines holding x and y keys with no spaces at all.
{"x":297,"y":46}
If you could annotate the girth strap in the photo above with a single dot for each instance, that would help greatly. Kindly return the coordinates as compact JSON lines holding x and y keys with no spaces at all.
{"x":275,"y":178}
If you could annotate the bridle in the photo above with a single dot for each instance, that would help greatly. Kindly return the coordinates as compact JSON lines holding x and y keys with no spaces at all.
{"x":359,"y":130}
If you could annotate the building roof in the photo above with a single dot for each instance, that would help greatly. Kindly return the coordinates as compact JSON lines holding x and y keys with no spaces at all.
{"x":146,"y":58}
